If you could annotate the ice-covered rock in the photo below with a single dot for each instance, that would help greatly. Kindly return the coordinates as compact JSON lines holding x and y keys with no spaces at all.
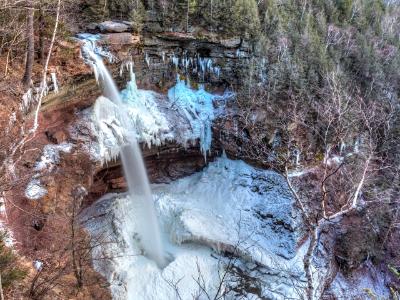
{"x":229,"y":207}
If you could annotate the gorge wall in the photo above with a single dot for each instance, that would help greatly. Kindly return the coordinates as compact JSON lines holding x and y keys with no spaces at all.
{"x":59,"y":171}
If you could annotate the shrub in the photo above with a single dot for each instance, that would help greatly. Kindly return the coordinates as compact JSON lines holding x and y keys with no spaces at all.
{"x":11,"y":271}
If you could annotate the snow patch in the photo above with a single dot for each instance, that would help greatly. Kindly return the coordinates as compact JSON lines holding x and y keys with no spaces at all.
{"x":34,"y":190}
{"x":51,"y":156}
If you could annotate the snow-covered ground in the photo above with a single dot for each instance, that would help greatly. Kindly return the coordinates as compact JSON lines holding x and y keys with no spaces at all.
{"x":228,"y":207}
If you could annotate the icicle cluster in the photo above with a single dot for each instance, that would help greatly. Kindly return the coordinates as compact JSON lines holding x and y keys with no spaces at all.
{"x":32,"y":95}
{"x":55,"y":83}
{"x":148,"y":122}
{"x":200,"y":66}
{"x":197,"y":106}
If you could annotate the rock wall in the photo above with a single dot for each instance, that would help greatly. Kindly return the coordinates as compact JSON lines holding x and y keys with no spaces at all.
{"x":159,"y":55}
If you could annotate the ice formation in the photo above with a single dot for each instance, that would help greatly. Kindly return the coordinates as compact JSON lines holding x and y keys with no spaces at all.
{"x":149,"y":123}
{"x":297,"y":154}
{"x":37,"y":264}
{"x":55,"y":84}
{"x":27,"y":100}
{"x":146,"y":110}
{"x":195,"y":64}
{"x":154,"y":118}
{"x":250,"y":209}
{"x":9,"y":240}
{"x":108,"y":128}
{"x":198,"y":108}
{"x":11,"y":122}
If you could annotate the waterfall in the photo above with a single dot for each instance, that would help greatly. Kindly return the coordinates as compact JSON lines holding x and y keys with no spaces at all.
{"x":132,"y":160}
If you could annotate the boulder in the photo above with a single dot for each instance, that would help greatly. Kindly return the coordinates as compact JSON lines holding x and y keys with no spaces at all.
{"x":114,"y":27}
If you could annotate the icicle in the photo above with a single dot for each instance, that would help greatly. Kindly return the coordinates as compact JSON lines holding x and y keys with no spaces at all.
{"x":238,"y":54}
{"x":342,"y":147}
{"x":327,"y":153}
{"x":357,"y":145}
{"x":54,"y":79}
{"x":27,"y":100}
{"x":147,"y":59}
{"x":175,"y":61}
{"x":126,"y":66}
{"x":197,"y":107}
{"x":38,"y":265}
{"x":217,"y":71}
{"x":297,"y":153}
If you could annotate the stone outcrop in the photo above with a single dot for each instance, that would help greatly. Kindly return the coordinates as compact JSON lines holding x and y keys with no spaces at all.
{"x":114,"y":27}
{"x":154,"y":54}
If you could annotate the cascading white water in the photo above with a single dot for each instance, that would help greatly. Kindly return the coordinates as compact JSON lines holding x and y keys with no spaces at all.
{"x":132,"y":161}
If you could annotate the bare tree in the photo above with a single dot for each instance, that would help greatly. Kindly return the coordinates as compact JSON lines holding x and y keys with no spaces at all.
{"x":341,"y":178}
{"x":30,"y":51}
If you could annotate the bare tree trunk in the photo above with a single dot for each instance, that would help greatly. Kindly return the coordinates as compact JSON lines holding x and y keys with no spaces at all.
{"x":1,"y":289}
{"x":42,"y":24}
{"x":46,"y":65}
{"x":187,"y":15}
{"x":74,"y":246}
{"x":30,"y":51}
{"x":307,"y":262}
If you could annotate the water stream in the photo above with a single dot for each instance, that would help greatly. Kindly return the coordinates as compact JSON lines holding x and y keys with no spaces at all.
{"x":132,"y":160}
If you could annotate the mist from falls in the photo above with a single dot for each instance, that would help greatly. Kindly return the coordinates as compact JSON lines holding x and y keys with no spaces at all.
{"x":132,"y":160}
